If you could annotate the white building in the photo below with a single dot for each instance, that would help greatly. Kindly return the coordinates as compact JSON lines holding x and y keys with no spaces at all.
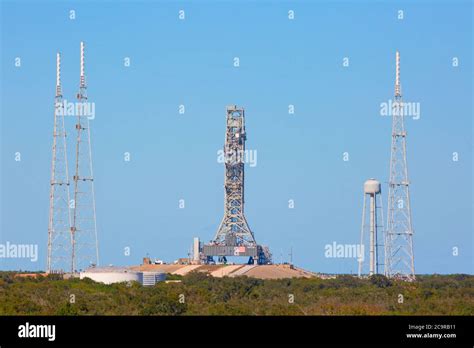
{"x":151,"y":278}
{"x":110,"y":275}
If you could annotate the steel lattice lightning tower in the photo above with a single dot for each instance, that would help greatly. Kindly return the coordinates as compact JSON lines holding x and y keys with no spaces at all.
{"x":59,"y":228}
{"x":399,"y":236}
{"x":234,"y":237}
{"x":85,"y":250}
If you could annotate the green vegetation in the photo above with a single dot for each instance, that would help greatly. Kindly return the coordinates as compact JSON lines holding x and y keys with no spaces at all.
{"x":204,"y":295}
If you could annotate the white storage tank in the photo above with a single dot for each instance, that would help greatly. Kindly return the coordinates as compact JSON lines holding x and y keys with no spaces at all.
{"x":110,"y":275}
{"x":372,"y":186}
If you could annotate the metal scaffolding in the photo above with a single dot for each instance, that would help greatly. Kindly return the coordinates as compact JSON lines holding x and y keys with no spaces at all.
{"x":234,"y":236}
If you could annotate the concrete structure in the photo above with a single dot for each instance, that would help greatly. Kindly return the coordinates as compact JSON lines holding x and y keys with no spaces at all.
{"x":185,"y":270}
{"x":372,"y":189}
{"x":278,"y":272}
{"x":234,"y":236}
{"x":400,"y":260}
{"x":196,"y":250}
{"x":219,"y":271}
{"x":226,"y":270}
{"x":243,"y":270}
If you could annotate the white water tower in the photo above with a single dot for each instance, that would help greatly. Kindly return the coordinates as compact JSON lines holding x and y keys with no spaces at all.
{"x":372,"y":230}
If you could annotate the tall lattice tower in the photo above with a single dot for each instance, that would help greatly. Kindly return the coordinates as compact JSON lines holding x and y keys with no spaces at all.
{"x":234,"y":237}
{"x":59,"y":228}
{"x":85,"y":250}
{"x":399,"y":236}
{"x":234,"y":224}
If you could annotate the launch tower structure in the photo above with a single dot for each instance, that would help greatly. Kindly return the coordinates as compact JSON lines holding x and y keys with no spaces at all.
{"x":234,"y":236}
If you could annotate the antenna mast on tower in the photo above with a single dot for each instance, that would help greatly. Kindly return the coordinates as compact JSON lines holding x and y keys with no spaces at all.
{"x":85,"y":250}
{"x":59,"y":237}
{"x":399,"y":237}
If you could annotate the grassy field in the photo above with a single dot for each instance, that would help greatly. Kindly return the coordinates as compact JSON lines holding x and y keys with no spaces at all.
{"x":199,"y":294}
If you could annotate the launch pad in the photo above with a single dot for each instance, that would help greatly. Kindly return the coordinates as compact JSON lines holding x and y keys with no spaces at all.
{"x":258,"y":253}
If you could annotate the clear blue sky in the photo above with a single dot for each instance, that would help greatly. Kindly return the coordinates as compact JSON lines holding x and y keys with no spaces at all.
{"x":282,"y":62}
